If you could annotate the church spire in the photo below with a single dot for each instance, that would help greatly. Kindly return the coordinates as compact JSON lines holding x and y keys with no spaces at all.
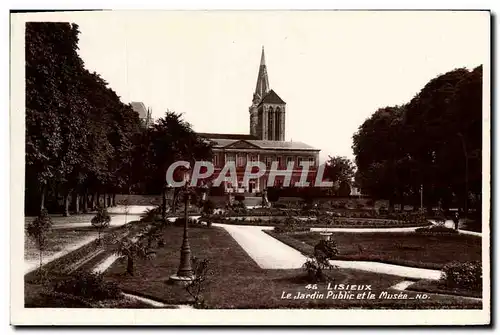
{"x":262,"y":86}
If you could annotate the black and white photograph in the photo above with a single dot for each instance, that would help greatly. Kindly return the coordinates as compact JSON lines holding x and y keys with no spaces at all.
{"x":250,"y":167}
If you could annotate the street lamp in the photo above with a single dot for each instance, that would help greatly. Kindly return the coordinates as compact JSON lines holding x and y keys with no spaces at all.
{"x":185,"y":272}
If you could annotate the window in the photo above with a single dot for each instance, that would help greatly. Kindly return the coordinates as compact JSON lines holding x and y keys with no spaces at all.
{"x":241,"y":160}
{"x":215,"y":160}
{"x":280,"y":161}
{"x":269,"y":161}
{"x":311,"y":161}
{"x":289,"y":159}
{"x":253,"y":158}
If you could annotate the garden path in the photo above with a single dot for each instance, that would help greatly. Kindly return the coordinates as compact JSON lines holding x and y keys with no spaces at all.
{"x":116,"y":221}
{"x":269,"y":253}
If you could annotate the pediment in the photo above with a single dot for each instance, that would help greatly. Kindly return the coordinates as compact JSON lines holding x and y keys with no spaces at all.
{"x":242,"y":145}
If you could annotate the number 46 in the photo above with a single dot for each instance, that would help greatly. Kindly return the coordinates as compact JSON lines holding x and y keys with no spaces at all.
{"x":311,"y":286}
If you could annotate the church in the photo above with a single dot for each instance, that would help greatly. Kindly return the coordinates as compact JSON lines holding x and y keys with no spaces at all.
{"x":265,"y":143}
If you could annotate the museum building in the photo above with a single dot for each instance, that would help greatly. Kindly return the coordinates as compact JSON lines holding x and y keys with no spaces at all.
{"x":265,"y":143}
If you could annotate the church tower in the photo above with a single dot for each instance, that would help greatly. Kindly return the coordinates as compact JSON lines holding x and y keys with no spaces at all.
{"x":267,"y":112}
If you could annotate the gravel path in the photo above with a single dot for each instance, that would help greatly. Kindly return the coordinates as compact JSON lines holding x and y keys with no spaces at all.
{"x":266,"y":251}
{"x":390,"y":269}
{"x":269,"y":253}
{"x":450,"y":224}
{"x":30,"y":265}
{"x":366,"y":230}
{"x":116,"y":221}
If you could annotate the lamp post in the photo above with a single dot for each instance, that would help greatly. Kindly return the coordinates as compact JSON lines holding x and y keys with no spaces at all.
{"x":185,"y":272}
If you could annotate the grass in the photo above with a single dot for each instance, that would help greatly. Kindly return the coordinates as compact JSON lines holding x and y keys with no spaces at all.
{"x":56,"y":241}
{"x":410,"y":249}
{"x":437,"y":286}
{"x":238,"y":282}
{"x":39,"y":294}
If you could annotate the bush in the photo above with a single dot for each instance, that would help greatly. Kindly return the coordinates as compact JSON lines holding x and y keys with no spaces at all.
{"x":383,"y":210}
{"x":90,"y":286}
{"x":101,"y":220}
{"x":239,"y":197}
{"x":467,"y":275}
{"x":152,"y":214}
{"x":328,"y":248}
{"x":208,"y":207}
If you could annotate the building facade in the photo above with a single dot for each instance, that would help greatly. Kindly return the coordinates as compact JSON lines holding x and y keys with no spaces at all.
{"x":265,"y":143}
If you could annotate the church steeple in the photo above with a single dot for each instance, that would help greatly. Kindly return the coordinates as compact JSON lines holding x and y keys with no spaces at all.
{"x":262,"y":86}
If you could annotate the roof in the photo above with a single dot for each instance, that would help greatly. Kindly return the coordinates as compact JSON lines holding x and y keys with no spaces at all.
{"x":272,"y":98}
{"x":261,"y":144}
{"x":140,"y":108}
{"x":228,"y":136}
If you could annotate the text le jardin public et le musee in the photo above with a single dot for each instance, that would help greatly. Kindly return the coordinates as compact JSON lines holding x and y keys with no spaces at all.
{"x":331,"y":291}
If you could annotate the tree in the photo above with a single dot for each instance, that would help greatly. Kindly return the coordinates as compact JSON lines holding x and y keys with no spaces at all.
{"x":168,"y":140}
{"x":434,"y":142}
{"x":339,"y":170}
{"x":37,"y":230}
{"x":132,"y":249}
{"x":101,"y":221}
{"x":79,"y":135}
{"x":273,"y":194}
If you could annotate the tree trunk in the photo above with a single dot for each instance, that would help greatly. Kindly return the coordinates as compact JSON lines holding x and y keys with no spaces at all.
{"x":42,"y":197}
{"x":391,"y":205}
{"x":130,"y":265}
{"x":66,"y":204}
{"x":113,"y":200}
{"x":109,"y":200}
{"x":76,"y":199}
{"x":41,"y":262}
{"x":85,"y":202}
{"x":164,"y":205}
{"x":93,"y":200}
{"x":104,"y":203}
{"x":97,"y":200}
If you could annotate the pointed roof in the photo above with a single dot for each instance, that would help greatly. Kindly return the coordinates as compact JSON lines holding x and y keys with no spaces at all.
{"x":272,"y":98}
{"x":262,"y":86}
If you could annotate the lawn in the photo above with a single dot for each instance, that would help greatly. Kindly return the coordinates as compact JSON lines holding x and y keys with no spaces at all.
{"x":411,"y":249}
{"x":57,"y":240}
{"x":237,"y":281}
{"x":437,"y":286}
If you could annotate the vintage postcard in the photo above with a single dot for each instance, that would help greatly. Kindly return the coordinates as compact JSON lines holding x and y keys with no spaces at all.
{"x":250,"y":168}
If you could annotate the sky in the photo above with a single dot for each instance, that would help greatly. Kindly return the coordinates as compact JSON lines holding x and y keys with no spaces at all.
{"x":332,"y":68}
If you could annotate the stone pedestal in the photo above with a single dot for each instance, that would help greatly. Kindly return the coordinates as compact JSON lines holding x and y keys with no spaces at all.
{"x":178,"y":280}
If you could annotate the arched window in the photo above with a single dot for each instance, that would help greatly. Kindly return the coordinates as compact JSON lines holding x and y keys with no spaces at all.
{"x":270,"y":123}
{"x":277,"y":124}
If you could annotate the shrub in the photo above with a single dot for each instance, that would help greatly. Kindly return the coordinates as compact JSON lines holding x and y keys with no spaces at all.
{"x":239,"y":197}
{"x":383,"y":210}
{"x":90,"y":286}
{"x":152,"y":214}
{"x":315,"y":267}
{"x":101,"y":220}
{"x":202,"y":275}
{"x":327,"y":247}
{"x":37,"y":230}
{"x":208,"y":207}
{"x":466,"y":275}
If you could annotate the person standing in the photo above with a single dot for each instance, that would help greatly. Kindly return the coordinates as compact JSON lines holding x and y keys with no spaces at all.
{"x":456,"y":220}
